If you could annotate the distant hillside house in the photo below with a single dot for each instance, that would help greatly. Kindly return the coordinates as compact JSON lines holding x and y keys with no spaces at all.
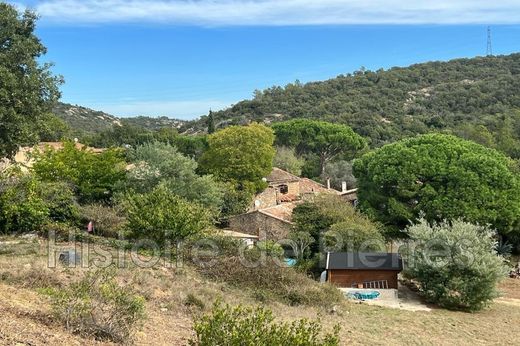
{"x":270,"y":215}
{"x":363,"y":270}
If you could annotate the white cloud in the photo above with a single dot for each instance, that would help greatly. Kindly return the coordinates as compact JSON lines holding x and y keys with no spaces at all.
{"x":280,"y":12}
{"x":174,"y":109}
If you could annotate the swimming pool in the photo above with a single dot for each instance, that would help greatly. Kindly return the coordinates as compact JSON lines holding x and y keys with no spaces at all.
{"x":364,"y":295}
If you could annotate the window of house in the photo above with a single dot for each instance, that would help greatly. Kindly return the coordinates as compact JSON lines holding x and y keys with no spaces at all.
{"x":284,"y":189}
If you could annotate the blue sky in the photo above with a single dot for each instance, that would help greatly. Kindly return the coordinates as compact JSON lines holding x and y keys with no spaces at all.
{"x":179,"y":58}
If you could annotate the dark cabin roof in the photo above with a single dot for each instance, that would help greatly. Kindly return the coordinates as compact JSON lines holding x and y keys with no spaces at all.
{"x":364,"y":261}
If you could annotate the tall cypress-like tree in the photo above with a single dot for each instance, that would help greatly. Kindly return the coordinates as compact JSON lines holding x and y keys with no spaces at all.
{"x":211,"y":123}
{"x":28,"y":89}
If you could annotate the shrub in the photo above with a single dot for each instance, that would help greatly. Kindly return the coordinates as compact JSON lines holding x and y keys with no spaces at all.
{"x":97,"y":306}
{"x":256,"y":326}
{"x":283,"y":284}
{"x":94,"y":176}
{"x":455,"y":265}
{"x":107,"y":220}
{"x":193,"y":300}
{"x":162,"y":216}
{"x":59,"y":198}
{"x":62,"y":231}
{"x":22,"y":209}
{"x":160,"y":163}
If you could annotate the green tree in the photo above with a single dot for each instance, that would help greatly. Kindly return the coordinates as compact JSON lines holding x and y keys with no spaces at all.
{"x":235,"y":201}
{"x":164,"y":217}
{"x":302,"y":242}
{"x":358,"y":235}
{"x":28,"y":89}
{"x":156,"y":163}
{"x":22,"y":208}
{"x":339,"y":172}
{"x":93,"y":176}
{"x":444,"y":177}
{"x":328,"y":217}
{"x":324,"y":139}
{"x":53,"y":129}
{"x":127,"y":134}
{"x":211,"y":123}
{"x":287,"y":160}
{"x":241,"y":154}
{"x":455,"y":264}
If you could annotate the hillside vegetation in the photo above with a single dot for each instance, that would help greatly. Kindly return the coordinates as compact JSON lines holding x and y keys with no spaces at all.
{"x":476,"y":98}
{"x":86,"y":121}
{"x":175,"y":297}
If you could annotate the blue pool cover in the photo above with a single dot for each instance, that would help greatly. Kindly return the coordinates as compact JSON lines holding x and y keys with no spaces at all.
{"x":363,"y":295}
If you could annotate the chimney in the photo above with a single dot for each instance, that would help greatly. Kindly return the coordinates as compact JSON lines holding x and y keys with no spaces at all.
{"x":328,"y":184}
{"x":343,"y":186}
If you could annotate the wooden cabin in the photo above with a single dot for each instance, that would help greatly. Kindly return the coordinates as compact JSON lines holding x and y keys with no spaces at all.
{"x":363,"y":270}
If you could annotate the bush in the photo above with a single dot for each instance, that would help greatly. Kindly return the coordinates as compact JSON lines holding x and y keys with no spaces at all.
{"x":192,"y":300}
{"x":94,"y":176}
{"x":160,"y":163}
{"x":59,"y":198}
{"x":22,"y":209}
{"x":256,"y":326}
{"x":283,"y":284}
{"x":97,"y":306}
{"x":107,"y":220}
{"x":162,"y":216}
{"x":455,"y":265}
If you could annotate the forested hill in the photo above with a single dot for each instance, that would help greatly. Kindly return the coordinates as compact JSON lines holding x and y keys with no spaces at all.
{"x":88,"y":121}
{"x":85,"y":119}
{"x":476,"y":97}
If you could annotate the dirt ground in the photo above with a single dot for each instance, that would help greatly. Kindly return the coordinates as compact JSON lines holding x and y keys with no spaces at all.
{"x":403,"y":298}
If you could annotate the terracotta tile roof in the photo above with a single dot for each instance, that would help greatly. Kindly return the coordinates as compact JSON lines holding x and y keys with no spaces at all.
{"x":278,"y":175}
{"x":282,"y":212}
{"x":309,"y":185}
{"x":288,"y":198}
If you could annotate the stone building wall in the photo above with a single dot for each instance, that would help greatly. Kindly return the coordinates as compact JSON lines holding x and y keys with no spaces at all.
{"x":264,"y":226}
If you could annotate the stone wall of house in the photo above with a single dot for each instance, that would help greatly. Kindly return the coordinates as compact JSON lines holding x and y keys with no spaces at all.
{"x":294,"y":188}
{"x":270,"y":197}
{"x":266,"y":199}
{"x":261,"y":225}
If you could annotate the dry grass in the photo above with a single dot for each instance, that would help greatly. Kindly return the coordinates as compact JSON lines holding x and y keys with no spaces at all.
{"x":170,"y":293}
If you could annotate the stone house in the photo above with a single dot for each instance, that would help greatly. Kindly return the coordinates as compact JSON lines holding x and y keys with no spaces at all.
{"x":273,"y":223}
{"x":270,"y":215}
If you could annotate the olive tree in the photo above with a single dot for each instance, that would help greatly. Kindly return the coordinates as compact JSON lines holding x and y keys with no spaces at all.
{"x":455,"y":264}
